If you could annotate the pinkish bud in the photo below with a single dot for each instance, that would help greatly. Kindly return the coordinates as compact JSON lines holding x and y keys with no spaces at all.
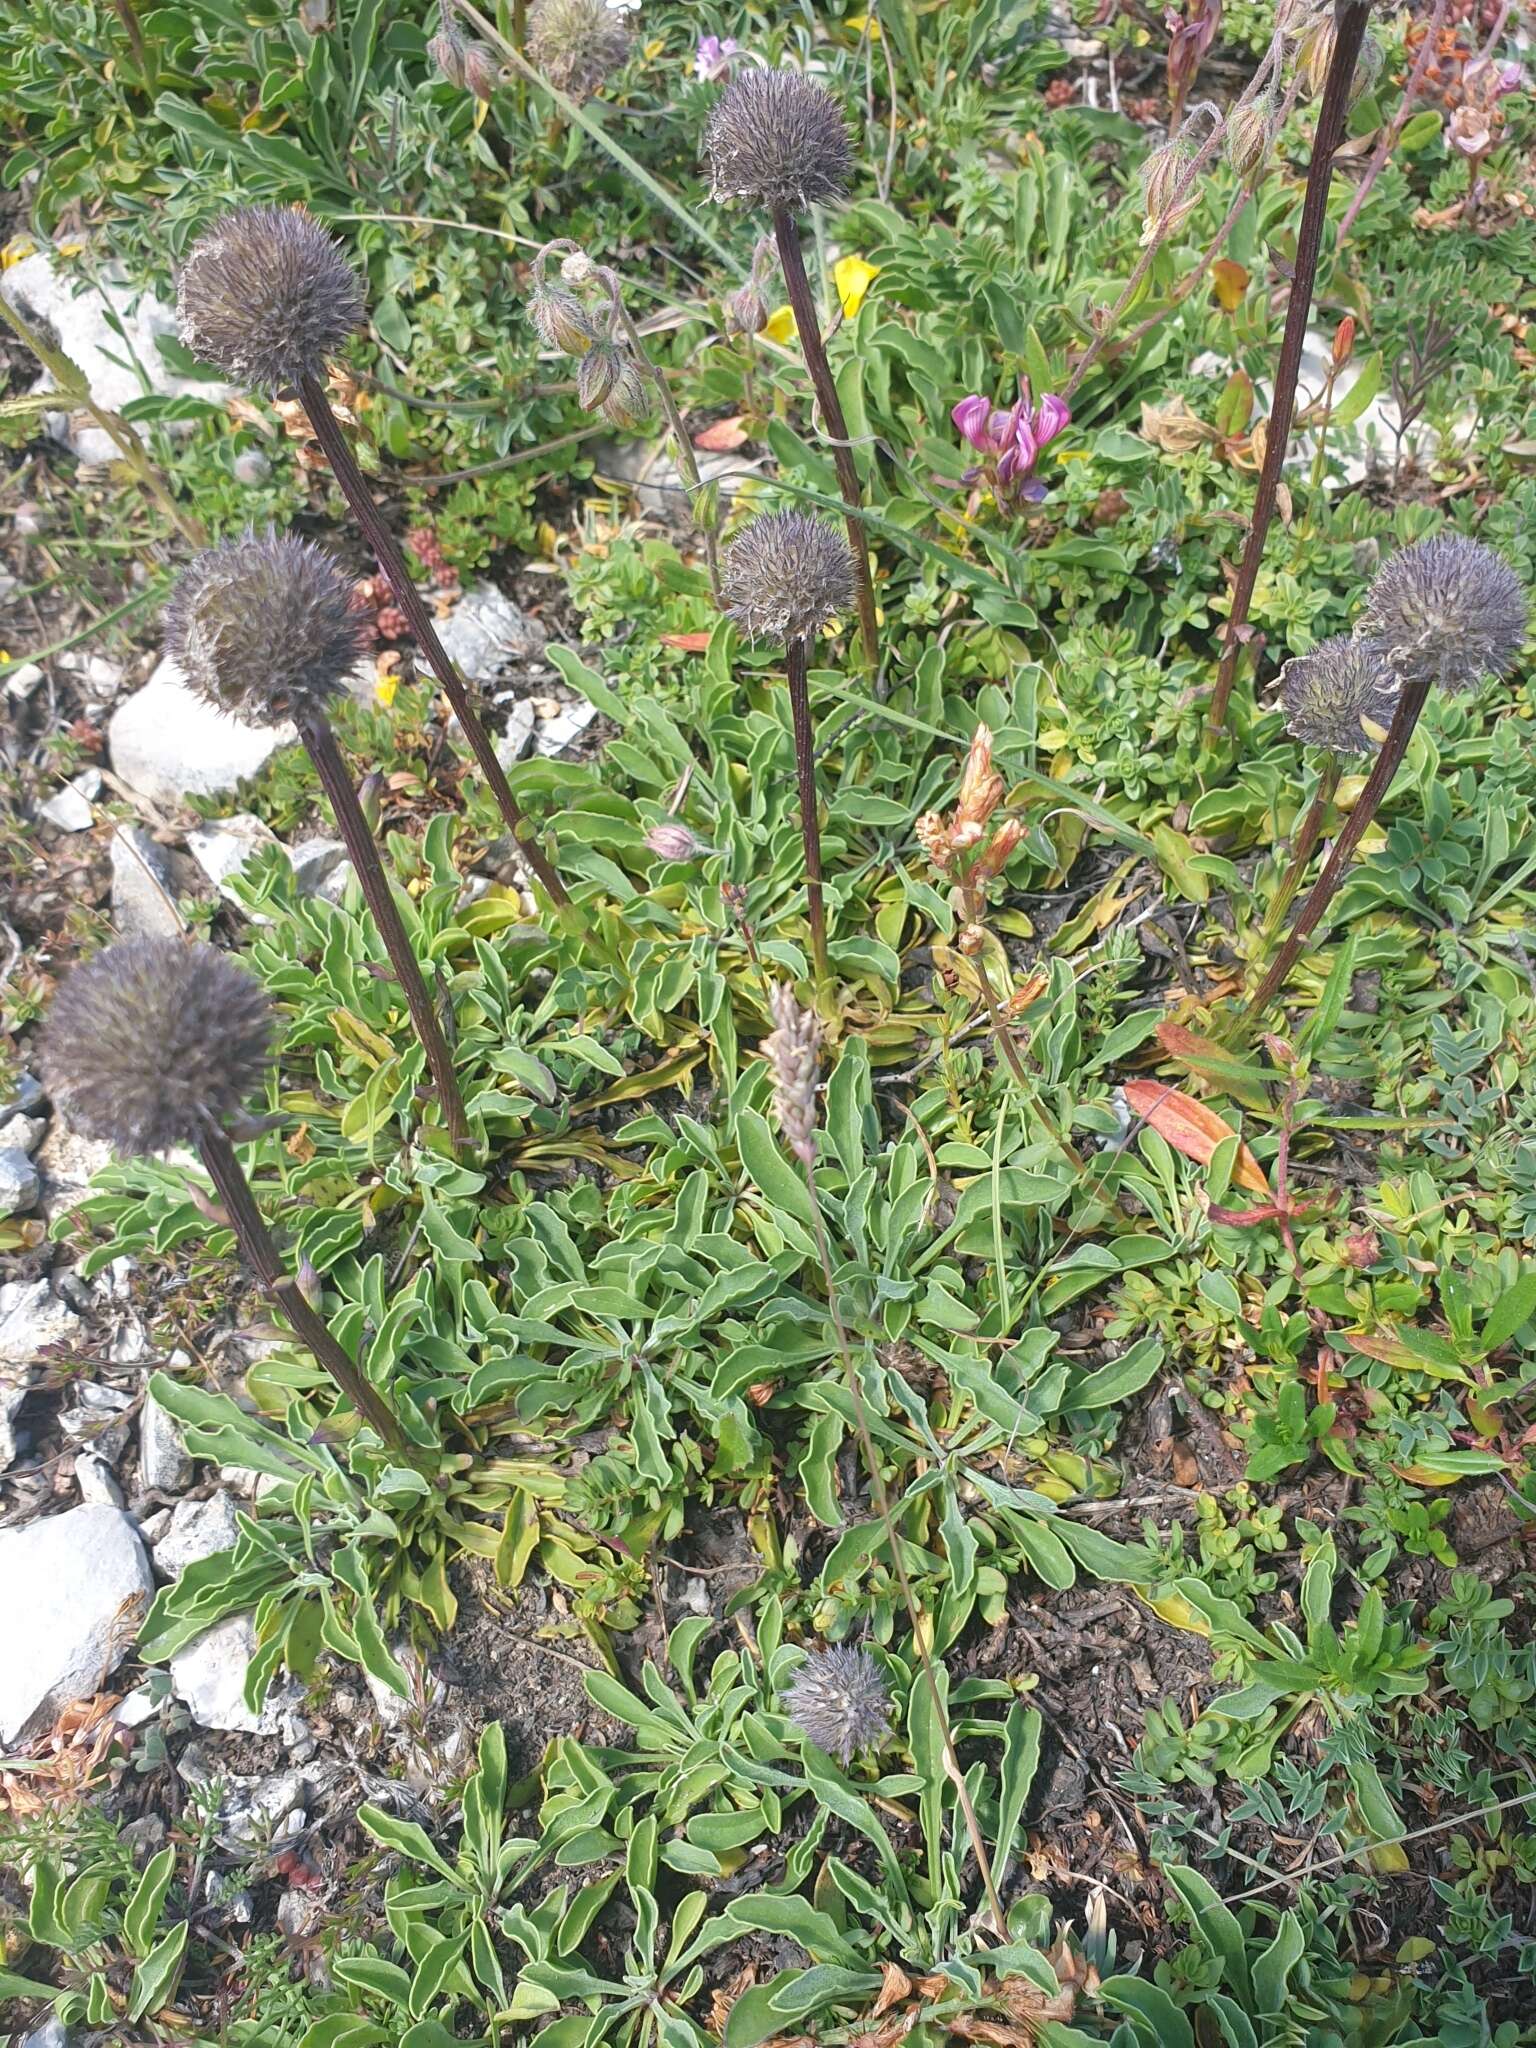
{"x":674,"y":842}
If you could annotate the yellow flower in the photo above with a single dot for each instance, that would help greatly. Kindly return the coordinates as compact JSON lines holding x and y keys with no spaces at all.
{"x":860,"y":22}
{"x":15,"y":249}
{"x":781,"y":326}
{"x":385,"y":686}
{"x":853,"y":278}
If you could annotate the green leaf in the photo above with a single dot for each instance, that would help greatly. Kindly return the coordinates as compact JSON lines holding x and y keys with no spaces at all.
{"x":155,"y":1978}
{"x":1513,"y":1308}
{"x":1359,"y":395}
{"x":141,"y":1916}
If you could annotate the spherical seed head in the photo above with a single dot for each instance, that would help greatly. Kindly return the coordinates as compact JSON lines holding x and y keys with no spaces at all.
{"x":1447,"y":610}
{"x":577,"y":44}
{"x":1340,"y":696}
{"x":265,"y":627}
{"x":838,"y":1699}
{"x":268,"y":295}
{"x":776,"y":139}
{"x":154,"y":1041}
{"x":786,"y":575}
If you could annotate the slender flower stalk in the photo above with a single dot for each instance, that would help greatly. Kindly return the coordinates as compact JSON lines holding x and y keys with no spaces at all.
{"x":270,"y":297}
{"x":158,"y":1044}
{"x":265,"y":629}
{"x":786,"y":576}
{"x":792,"y":1053}
{"x":1395,"y":126}
{"x":779,"y":142}
{"x":1349,"y":21}
{"x":1444,"y":611}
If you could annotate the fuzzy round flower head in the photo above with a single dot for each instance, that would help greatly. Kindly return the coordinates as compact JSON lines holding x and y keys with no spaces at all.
{"x":1340,"y":696}
{"x":577,"y":44}
{"x":155,"y":1041}
{"x":264,"y":627}
{"x":1447,"y":610}
{"x":268,"y":295}
{"x":838,"y":1699}
{"x":776,"y":139}
{"x":786,"y":575}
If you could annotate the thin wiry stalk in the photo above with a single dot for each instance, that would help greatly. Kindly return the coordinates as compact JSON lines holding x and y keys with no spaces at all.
{"x":795,"y":664}
{"x":320,"y":743}
{"x":261,"y":1254}
{"x":803,"y":306}
{"x":882,"y":1500}
{"x":1391,"y":132}
{"x":1323,"y":890}
{"x":376,"y":532}
{"x":1350,"y":17}
{"x":1307,"y":835}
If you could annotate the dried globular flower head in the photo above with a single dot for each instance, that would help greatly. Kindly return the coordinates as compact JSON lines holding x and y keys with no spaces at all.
{"x":1447,"y":610}
{"x":265,"y":627}
{"x":577,"y":44}
{"x":154,"y":1042}
{"x":268,"y":295}
{"x":839,"y":1700}
{"x":786,"y":575}
{"x":792,"y":1050}
{"x":776,"y":140}
{"x":1340,"y":696}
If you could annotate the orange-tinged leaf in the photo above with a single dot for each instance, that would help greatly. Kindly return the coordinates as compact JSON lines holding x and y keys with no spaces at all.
{"x":722,"y":436}
{"x":1191,"y":1128}
{"x":1231,"y":281}
{"x":689,"y":643}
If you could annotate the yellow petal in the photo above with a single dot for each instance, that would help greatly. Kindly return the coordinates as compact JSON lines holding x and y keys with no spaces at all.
{"x":860,"y":22}
{"x":853,"y":278}
{"x":781,"y":325}
{"x":15,"y":249}
{"x":384,"y":688}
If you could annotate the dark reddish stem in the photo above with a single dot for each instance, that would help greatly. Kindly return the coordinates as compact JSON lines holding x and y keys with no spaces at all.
{"x":796,"y":666}
{"x":798,"y":285}
{"x":320,"y":741}
{"x":1323,"y":890}
{"x":1349,"y":21}
{"x":384,"y":545}
{"x":261,"y":1254}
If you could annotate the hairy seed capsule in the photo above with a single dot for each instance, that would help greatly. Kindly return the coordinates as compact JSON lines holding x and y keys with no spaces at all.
{"x":265,"y":628}
{"x":269,"y":296}
{"x":1448,"y":611}
{"x":775,"y":140}
{"x":1341,"y":696}
{"x":839,"y":1700}
{"x":786,"y":575}
{"x":154,"y":1042}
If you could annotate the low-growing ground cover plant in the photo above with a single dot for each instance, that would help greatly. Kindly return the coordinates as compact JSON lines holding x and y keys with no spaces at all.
{"x":858,"y":1340}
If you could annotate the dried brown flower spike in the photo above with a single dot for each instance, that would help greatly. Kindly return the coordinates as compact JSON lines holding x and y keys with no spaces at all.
{"x":268,"y":295}
{"x":785,"y":577}
{"x":266,"y":628}
{"x":157,"y":1044}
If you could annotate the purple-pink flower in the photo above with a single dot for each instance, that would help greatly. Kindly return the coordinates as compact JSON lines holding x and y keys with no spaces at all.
{"x":712,"y":60}
{"x":1010,"y":442}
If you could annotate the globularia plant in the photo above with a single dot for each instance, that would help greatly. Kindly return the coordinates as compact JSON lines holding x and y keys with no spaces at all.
{"x":784,"y":578}
{"x":838,"y":1699}
{"x":269,"y":296}
{"x":159,"y":1043}
{"x":778,"y":142}
{"x":1446,"y":611}
{"x":266,"y":629}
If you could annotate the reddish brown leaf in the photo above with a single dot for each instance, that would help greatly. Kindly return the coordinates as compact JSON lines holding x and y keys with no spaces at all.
{"x":722,"y":437}
{"x":686,"y":643}
{"x":1191,"y":1128}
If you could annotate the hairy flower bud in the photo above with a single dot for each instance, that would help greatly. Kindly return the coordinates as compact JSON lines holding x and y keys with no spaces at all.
{"x":933,"y":838}
{"x":1340,"y":696}
{"x":792,"y":1050}
{"x":154,"y":1042}
{"x":561,"y":320}
{"x":577,"y":44}
{"x":839,"y":1700}
{"x":578,"y":268}
{"x":1447,"y":610}
{"x":447,"y":50}
{"x":1314,"y":58}
{"x":675,"y":842}
{"x":269,"y":296}
{"x":776,"y":139}
{"x":981,"y":787}
{"x":1248,"y":134}
{"x":598,"y":373}
{"x":786,"y":575}
{"x":265,"y":628}
{"x":746,"y":310}
{"x":482,"y":73}
{"x":627,"y":402}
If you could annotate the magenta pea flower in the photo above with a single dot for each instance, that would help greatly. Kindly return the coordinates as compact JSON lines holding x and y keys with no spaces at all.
{"x":712,"y":59}
{"x":1010,"y":442}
